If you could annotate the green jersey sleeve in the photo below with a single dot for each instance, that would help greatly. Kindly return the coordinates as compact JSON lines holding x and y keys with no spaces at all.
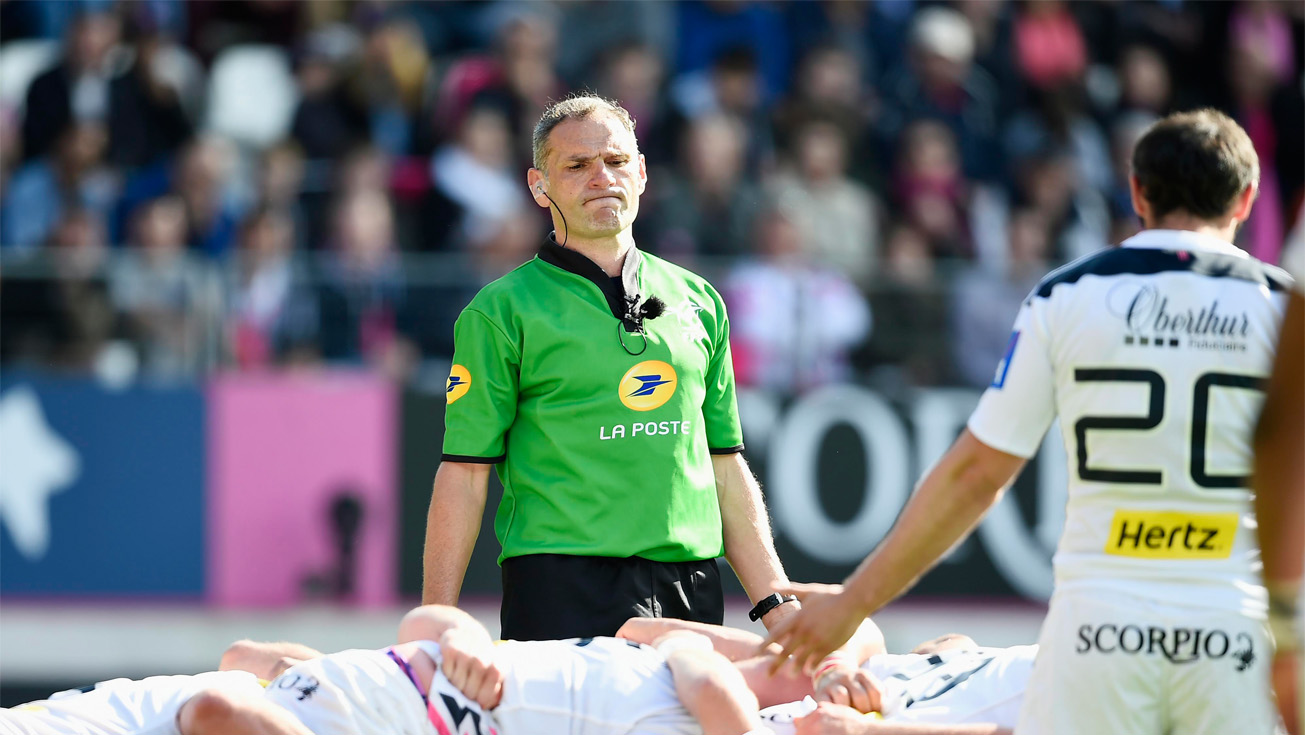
{"x":720,"y":410}
{"x":481,"y":391}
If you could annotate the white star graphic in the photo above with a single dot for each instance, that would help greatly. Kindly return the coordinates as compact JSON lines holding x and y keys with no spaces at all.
{"x":35,"y":463}
{"x":687,"y":313}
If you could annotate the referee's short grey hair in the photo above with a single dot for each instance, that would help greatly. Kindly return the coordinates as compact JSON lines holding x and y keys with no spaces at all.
{"x":575,"y":107}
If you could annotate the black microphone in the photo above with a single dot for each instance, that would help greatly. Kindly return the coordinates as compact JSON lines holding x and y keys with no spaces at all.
{"x":652,"y":308}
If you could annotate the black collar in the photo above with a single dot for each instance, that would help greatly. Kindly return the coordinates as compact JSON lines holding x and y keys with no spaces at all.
{"x":624,"y":300}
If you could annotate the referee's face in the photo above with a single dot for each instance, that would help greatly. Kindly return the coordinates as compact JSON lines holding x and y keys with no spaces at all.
{"x":595,"y":175}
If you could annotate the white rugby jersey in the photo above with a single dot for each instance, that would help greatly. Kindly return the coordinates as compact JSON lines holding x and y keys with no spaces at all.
{"x":1152,"y":355}
{"x":955,"y":687}
{"x":121,"y":706}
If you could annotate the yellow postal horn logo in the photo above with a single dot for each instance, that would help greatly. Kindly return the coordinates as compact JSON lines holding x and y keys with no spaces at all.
{"x":648,"y":385}
{"x":459,"y":383}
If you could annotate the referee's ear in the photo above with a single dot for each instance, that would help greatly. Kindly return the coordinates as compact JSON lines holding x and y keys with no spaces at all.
{"x":535,"y":182}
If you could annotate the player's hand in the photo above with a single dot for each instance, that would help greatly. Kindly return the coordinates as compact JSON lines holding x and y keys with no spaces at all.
{"x":827,"y":620}
{"x":834,"y":719}
{"x":1286,"y":685}
{"x":851,"y":686}
{"x":470,"y":665}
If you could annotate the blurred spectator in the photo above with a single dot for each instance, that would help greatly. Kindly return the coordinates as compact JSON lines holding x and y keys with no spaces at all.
{"x":828,"y":86}
{"x":984,"y":303}
{"x":794,"y":322}
{"x":995,"y":49}
{"x":732,"y":86}
{"x":594,"y":30}
{"x":62,"y":316}
{"x":1259,"y":61}
{"x":78,"y":88}
{"x":1049,"y":44}
{"x":279,"y":185}
{"x":709,"y":28}
{"x":1058,"y":116}
{"x":329,"y":121}
{"x":1124,"y":134}
{"x":1076,"y":215}
{"x":272,"y":311}
{"x":709,"y":208}
{"x":527,"y":43}
{"x":137,"y":96}
{"x":203,"y":181}
{"x":153,"y":108}
{"x":394,"y":81}
{"x":911,"y":342}
{"x":362,"y":297}
{"x":168,"y":296}
{"x":838,"y":218}
{"x":476,"y":172}
{"x":1144,"y":81}
{"x":929,"y":190}
{"x":942,"y":83}
{"x":72,"y":176}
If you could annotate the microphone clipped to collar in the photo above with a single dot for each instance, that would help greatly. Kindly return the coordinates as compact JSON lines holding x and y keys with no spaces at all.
{"x":637,"y":310}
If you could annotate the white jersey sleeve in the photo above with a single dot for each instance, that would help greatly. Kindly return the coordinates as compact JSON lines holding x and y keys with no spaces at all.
{"x":1018,"y":408}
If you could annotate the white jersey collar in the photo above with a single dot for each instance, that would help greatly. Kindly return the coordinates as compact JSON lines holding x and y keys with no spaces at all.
{"x":1182,"y":240}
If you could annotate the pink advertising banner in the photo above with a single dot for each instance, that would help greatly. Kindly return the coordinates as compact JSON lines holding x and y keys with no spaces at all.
{"x":302,"y":493}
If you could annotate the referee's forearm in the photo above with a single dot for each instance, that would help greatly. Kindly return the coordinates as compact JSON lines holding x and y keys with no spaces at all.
{"x":749,"y":545}
{"x":452,"y":525}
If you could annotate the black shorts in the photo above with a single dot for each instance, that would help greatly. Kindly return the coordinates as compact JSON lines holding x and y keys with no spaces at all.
{"x":550,"y":596}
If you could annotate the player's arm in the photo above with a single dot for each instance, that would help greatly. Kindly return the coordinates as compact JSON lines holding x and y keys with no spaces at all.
{"x":218,"y":712}
{"x":1279,"y":484}
{"x":1003,"y":432}
{"x":710,"y":688}
{"x":732,"y":643}
{"x":832,"y":719}
{"x":266,"y":660}
{"x":749,"y":543}
{"x":457,"y":503}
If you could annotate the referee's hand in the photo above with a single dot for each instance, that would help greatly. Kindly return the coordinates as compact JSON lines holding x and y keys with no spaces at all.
{"x":827,"y":620}
{"x":470,"y":665}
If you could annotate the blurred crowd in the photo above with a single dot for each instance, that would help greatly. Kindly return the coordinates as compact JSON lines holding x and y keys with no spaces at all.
{"x":874,"y":185}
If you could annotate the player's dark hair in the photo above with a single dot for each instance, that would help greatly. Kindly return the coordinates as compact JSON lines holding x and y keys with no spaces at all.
{"x":1197,"y":162}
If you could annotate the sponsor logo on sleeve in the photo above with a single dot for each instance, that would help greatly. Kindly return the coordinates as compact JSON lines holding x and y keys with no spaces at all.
{"x":1172,"y":535}
{"x":459,"y":383}
{"x":1003,"y":367}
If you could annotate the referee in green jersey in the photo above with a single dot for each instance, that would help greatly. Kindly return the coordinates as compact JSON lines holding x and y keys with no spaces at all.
{"x":598,"y":380}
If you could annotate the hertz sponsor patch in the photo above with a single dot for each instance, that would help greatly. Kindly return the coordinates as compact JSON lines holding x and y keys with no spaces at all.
{"x":459,"y":383}
{"x":1147,"y":534}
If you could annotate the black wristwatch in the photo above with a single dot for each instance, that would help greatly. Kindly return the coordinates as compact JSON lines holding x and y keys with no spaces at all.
{"x":768,"y":603}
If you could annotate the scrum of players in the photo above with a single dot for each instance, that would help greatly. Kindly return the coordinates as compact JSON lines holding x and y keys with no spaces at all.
{"x":445,"y":676}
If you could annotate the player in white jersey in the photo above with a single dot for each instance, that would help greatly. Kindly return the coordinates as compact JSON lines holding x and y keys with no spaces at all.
{"x":1152,"y":355}
{"x":945,"y":686}
{"x":159,"y":705}
{"x":586,"y":686}
{"x":1280,"y":488}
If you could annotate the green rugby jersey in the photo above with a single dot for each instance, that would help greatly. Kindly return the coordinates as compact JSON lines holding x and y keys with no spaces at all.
{"x":601,"y":452}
